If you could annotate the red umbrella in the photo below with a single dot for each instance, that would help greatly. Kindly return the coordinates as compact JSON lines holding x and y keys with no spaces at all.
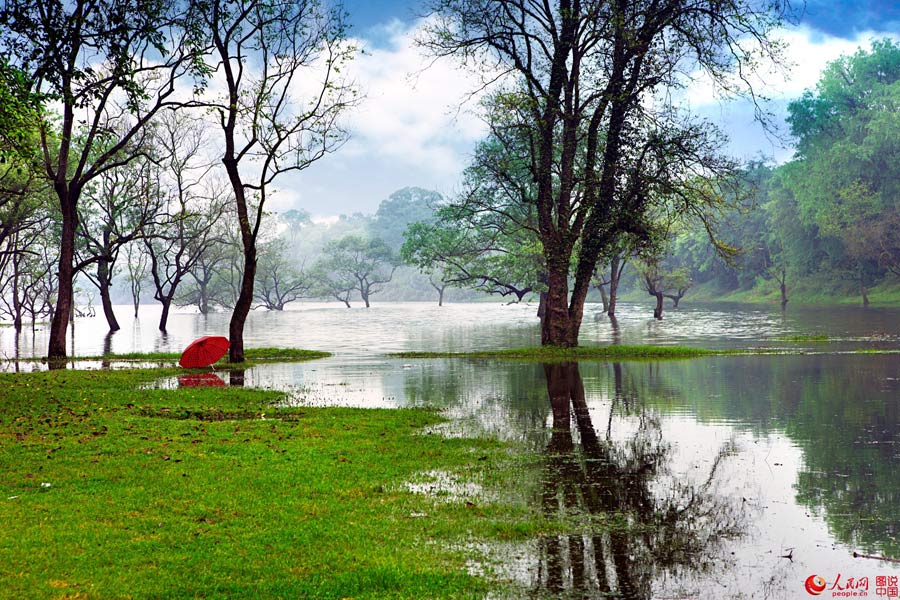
{"x":204,"y":352}
{"x":200,"y":380}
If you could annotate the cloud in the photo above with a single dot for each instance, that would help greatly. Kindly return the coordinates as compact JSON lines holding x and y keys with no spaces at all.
{"x":806,"y":54}
{"x":411,"y":110}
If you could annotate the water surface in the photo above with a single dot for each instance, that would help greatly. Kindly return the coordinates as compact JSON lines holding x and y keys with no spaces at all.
{"x":719,"y":477}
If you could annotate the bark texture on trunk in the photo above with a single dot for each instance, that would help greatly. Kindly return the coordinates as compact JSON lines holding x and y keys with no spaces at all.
{"x":555,"y":328}
{"x":658,"y":311}
{"x":104,"y":283}
{"x":65,"y":273}
{"x":242,"y":308}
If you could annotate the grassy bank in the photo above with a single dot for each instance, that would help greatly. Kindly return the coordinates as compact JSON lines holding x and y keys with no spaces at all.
{"x":110,"y":491}
{"x":801,"y":292}
{"x":553,"y":354}
{"x":252,"y":355}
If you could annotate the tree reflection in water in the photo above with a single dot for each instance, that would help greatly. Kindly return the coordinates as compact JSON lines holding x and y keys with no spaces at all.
{"x":631,"y":519}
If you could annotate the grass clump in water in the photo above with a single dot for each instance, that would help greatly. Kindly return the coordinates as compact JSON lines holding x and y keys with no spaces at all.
{"x":104,"y":494}
{"x":553,"y":353}
{"x":804,"y":338}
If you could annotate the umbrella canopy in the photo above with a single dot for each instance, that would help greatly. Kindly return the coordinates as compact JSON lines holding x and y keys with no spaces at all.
{"x":203,"y":352}
{"x":200,"y":380}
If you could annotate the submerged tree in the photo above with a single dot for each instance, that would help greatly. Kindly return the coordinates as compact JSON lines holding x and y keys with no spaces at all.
{"x":118,"y":207}
{"x":264,"y":54}
{"x":110,"y":65}
{"x":579,"y":79}
{"x":191,"y":204}
{"x":356,"y":263}
{"x":277,"y":280}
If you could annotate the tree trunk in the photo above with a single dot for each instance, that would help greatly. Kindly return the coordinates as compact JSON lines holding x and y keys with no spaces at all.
{"x":242,"y":307}
{"x":103,"y":280}
{"x":364,"y":292}
{"x":784,"y":298}
{"x":603,"y":297}
{"x":17,"y":305}
{"x":441,"y":295}
{"x":164,"y":317}
{"x":615,"y":273}
{"x":203,"y":301}
{"x":65,"y":273}
{"x":555,"y":327}
{"x":658,"y":311}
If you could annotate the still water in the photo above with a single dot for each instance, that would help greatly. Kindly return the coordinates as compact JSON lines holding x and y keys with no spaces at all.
{"x":719,"y":477}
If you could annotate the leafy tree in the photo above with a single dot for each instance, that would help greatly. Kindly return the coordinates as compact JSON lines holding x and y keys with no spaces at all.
{"x":402,"y":208}
{"x":485,"y":239}
{"x":601,"y":156}
{"x":110,"y":65}
{"x":847,"y":182}
{"x":355,"y":262}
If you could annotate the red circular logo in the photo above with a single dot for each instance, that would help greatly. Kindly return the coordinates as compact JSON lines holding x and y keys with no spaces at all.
{"x":815,"y":585}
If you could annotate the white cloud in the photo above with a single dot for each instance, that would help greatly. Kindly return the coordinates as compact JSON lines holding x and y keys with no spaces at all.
{"x":411,"y":109}
{"x":807,"y":53}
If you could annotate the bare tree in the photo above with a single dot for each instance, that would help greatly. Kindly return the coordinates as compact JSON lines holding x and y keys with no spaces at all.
{"x":136,"y":262}
{"x":118,"y":207}
{"x":192,"y":203}
{"x":277,"y":280}
{"x":263,"y":53}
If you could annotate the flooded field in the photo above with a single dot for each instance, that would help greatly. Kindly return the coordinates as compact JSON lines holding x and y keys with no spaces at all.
{"x":715,"y":477}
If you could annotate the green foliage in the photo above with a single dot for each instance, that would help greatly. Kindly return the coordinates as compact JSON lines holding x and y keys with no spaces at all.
{"x":485,"y":239}
{"x":356,"y":263}
{"x":833,"y":213}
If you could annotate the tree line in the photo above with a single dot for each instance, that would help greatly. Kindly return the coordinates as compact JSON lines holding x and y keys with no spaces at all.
{"x":827,"y":222}
{"x":591,"y":159}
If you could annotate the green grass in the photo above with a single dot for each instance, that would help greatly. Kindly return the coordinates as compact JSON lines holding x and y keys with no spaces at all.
{"x":551,"y":353}
{"x":250,"y":354}
{"x":111,"y":491}
{"x":804,"y":338}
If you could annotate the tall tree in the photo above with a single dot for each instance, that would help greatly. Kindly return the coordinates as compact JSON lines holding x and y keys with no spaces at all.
{"x":109,"y":65}
{"x":579,"y":78}
{"x":263,"y":52}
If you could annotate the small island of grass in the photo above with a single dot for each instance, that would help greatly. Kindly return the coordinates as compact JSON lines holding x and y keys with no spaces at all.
{"x":553,"y":353}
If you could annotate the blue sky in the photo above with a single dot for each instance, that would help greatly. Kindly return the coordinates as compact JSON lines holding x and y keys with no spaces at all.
{"x":410,"y":129}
